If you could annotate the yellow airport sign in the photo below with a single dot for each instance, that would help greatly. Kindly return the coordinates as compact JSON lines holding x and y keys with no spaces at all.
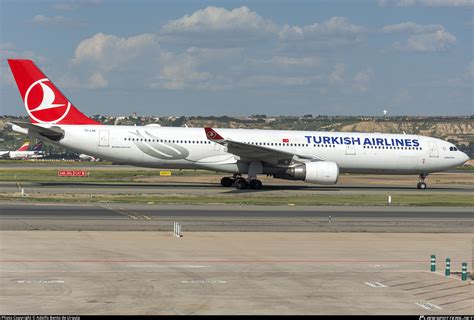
{"x":165,"y":173}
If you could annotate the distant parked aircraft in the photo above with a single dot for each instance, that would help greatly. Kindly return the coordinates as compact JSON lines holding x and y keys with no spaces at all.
{"x":86,"y":157}
{"x":23,"y":152}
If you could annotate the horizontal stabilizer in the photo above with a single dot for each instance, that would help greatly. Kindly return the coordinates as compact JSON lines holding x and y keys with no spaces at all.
{"x":51,"y":133}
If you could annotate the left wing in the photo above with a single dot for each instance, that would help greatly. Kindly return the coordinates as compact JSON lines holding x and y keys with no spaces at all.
{"x":251,"y":152}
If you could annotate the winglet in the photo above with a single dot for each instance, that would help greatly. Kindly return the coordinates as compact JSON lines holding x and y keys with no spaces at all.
{"x":213,"y":135}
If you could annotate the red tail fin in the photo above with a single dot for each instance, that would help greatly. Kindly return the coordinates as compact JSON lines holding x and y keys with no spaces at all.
{"x":43,"y":101}
{"x":24,"y":146}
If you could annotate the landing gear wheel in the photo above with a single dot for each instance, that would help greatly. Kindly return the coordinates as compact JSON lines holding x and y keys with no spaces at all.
{"x":256,"y":184}
{"x":240,"y":184}
{"x":227,"y":182}
{"x":421,"y":185}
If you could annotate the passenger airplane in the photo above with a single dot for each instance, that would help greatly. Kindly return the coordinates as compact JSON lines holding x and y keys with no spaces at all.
{"x":6,"y":153}
{"x":23,"y":152}
{"x":314,"y":157}
{"x":86,"y":157}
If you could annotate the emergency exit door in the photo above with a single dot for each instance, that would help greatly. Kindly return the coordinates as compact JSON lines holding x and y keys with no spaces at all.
{"x":433,"y":150}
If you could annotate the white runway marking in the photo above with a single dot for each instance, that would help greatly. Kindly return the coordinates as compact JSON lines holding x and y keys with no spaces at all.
{"x":203,"y":281}
{"x":40,"y":281}
{"x":428,"y":306}
{"x":167,"y":266}
{"x":375,"y":284}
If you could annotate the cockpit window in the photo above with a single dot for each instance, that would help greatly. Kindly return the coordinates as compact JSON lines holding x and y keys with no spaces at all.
{"x":453,"y":149}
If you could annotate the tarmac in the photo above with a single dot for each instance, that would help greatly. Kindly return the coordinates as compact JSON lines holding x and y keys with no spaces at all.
{"x":107,"y":272}
{"x":105,"y":258}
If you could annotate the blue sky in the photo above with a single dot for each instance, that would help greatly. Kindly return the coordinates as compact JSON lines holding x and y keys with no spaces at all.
{"x":411,"y":57}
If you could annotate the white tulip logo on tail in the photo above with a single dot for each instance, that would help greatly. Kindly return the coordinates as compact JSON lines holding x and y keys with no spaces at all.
{"x":43,"y":105}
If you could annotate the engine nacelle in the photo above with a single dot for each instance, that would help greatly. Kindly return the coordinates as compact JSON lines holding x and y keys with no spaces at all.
{"x":321,"y":172}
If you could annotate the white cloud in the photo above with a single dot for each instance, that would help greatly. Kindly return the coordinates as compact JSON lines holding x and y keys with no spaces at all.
{"x":75,"y":4}
{"x":239,"y":27}
{"x":308,"y":62}
{"x":426,"y":3}
{"x":337,"y":75}
{"x":109,"y":52}
{"x":403,"y":96}
{"x":276,"y":80}
{"x":429,"y":42}
{"x":398,"y":3}
{"x":97,"y":80}
{"x":179,"y":71}
{"x":9,"y":50}
{"x":464,"y":80}
{"x":51,"y":20}
{"x":212,"y":25}
{"x":333,"y":32}
{"x":362,"y":80}
{"x":447,"y":3}
{"x":470,"y":70}
{"x":95,"y":58}
{"x":291,"y":62}
{"x":411,"y":27}
{"x":423,"y":38}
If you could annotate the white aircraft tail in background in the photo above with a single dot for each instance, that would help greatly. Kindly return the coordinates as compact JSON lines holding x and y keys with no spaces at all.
{"x":23,"y":152}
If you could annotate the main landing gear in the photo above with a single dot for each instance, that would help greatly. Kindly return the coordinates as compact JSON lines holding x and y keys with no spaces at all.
{"x":421,"y":184}
{"x":240,"y":183}
{"x":255,"y":167}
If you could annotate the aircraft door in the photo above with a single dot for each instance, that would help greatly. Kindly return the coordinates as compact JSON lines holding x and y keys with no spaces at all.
{"x":350,"y":149}
{"x":103,"y":138}
{"x":433,"y":150}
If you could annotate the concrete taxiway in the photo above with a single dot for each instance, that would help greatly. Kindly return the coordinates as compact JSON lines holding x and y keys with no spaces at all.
{"x":90,"y":272}
{"x":111,"y":258}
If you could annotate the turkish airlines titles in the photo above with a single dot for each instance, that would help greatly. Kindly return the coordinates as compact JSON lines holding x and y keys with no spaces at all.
{"x":393,"y":142}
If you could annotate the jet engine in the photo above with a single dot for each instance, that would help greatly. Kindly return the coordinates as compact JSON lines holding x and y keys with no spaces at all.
{"x":321,"y":172}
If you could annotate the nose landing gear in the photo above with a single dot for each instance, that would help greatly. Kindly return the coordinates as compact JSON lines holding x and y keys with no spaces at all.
{"x":421,"y":184}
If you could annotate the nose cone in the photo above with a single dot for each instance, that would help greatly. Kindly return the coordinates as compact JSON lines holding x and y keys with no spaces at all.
{"x":464,"y":157}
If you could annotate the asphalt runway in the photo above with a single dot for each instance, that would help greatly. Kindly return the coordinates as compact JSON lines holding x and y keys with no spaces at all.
{"x":197,"y":188}
{"x":219,"y":218}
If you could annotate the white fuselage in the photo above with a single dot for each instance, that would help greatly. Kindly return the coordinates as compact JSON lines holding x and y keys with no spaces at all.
{"x":188,"y":148}
{"x":23,"y":154}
